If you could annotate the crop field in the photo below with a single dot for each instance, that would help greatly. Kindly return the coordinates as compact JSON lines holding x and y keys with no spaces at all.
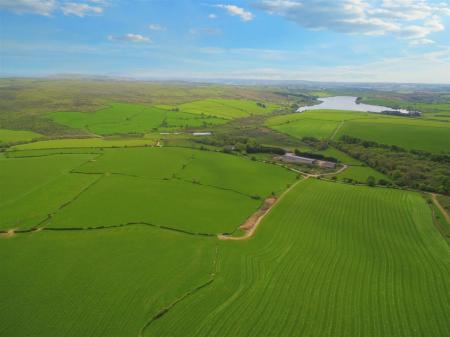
{"x":409,"y":133}
{"x":125,"y":118}
{"x":360,"y":174}
{"x":96,"y":283}
{"x":13,"y":136}
{"x":371,"y":263}
{"x":116,"y":220}
{"x":227,"y":108}
{"x":86,"y":143}
{"x":26,"y":201}
{"x":117,"y":200}
{"x":113,"y":187}
{"x":321,"y":129}
{"x":420,"y":135}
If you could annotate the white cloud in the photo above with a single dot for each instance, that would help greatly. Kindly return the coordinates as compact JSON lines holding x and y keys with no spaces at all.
{"x":212,"y":16}
{"x":237,"y":11}
{"x":41,"y":7}
{"x":156,"y":27}
{"x":414,"y":20}
{"x":80,"y":9}
{"x":130,"y":37}
{"x":49,"y":7}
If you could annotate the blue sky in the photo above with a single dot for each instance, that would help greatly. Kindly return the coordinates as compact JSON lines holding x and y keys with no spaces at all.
{"x":323,"y":40}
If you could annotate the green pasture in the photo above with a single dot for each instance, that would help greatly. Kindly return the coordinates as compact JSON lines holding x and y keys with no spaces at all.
{"x":339,"y":155}
{"x":192,"y":190}
{"x":51,"y":152}
{"x":417,"y":135}
{"x":219,"y":170}
{"x":321,"y":129}
{"x":226,"y":108}
{"x":13,"y":136}
{"x":127,"y":118}
{"x":87,"y":142}
{"x":330,"y":260}
{"x":31,"y":188}
{"x":409,"y":133}
{"x":106,"y":283}
{"x":360,"y":174}
{"x":237,"y":173}
{"x":118,"y":199}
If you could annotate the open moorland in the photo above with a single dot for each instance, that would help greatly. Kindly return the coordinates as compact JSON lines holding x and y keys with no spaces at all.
{"x":151,"y":209}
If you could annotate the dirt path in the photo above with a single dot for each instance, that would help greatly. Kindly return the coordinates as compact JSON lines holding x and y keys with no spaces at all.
{"x":337,"y":130}
{"x":309,"y":175}
{"x":8,"y":234}
{"x":250,"y":226}
{"x":438,"y":205}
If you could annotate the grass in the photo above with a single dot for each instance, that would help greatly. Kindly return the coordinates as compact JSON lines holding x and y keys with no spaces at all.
{"x":126,"y":118}
{"x":105,"y":283}
{"x":15,"y":136}
{"x":237,"y":173}
{"x":444,"y":200}
{"x":86,"y":143}
{"x":360,"y":174}
{"x":68,"y":188}
{"x":226,"y":108}
{"x":409,"y":133}
{"x":202,"y":167}
{"x":419,"y":135}
{"x":116,"y":200}
{"x":330,"y":260}
{"x":339,"y":155}
{"x":308,"y":128}
{"x":26,"y":201}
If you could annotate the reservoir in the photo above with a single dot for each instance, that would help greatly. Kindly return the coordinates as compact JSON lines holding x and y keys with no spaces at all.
{"x":347,"y":103}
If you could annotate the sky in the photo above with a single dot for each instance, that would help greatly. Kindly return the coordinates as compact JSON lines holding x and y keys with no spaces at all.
{"x":316,"y":40}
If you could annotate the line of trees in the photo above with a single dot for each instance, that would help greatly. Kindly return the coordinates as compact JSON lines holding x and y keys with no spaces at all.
{"x":415,"y":169}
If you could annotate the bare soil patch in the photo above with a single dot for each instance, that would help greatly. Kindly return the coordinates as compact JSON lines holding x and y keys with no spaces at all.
{"x":8,"y":234}
{"x":252,"y":223}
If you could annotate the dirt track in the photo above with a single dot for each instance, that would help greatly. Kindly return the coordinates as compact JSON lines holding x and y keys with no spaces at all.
{"x":250,"y":226}
{"x":438,"y":205}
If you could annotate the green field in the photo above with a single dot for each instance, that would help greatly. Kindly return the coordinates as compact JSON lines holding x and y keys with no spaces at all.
{"x":117,"y":200}
{"x":417,"y":134}
{"x":226,"y":108}
{"x":116,"y":221}
{"x":409,"y":133}
{"x":360,"y":174}
{"x":14,"y":136}
{"x":321,"y":129}
{"x":126,"y":118}
{"x":27,"y":201}
{"x":371,"y":263}
{"x":191,"y":190}
{"x":105,"y":283}
{"x":86,"y":142}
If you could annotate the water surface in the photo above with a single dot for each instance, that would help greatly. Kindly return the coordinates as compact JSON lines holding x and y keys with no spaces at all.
{"x":347,"y":103}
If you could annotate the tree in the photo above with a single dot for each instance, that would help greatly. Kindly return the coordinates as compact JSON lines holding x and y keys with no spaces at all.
{"x":371,"y":181}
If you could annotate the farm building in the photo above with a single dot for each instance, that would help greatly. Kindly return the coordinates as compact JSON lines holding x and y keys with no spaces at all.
{"x":201,"y":134}
{"x":292,"y":158}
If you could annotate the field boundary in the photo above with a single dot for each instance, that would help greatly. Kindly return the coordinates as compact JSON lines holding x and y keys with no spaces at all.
{"x":11,"y":232}
{"x":189,"y":293}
